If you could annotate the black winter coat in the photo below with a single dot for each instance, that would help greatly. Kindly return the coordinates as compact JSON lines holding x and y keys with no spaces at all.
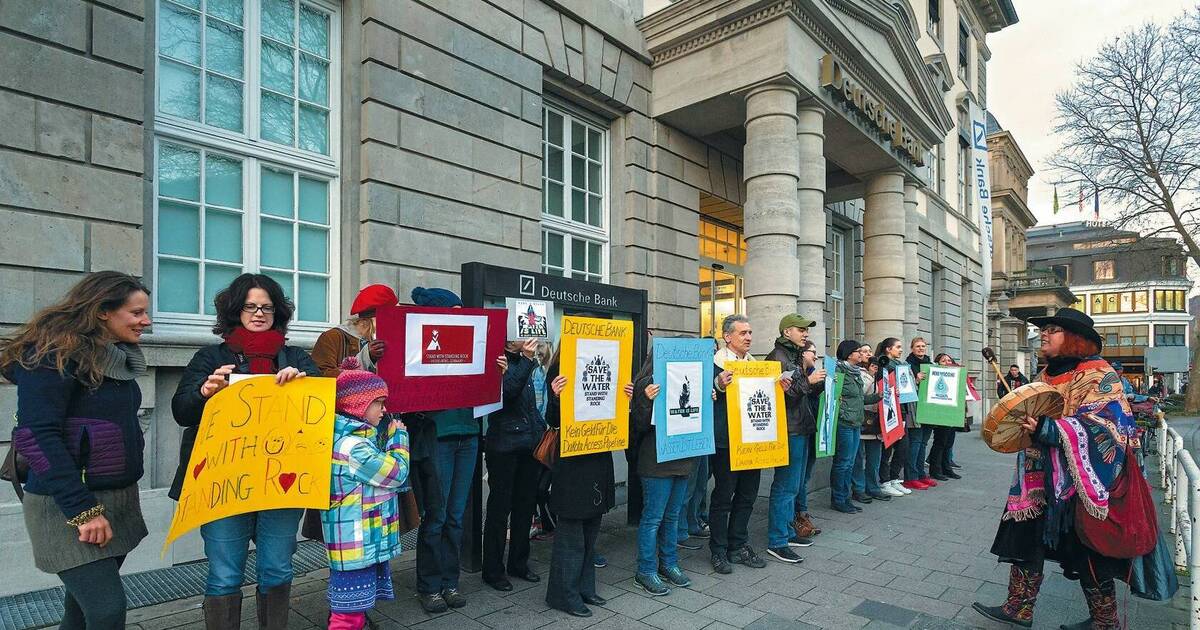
{"x":517,"y":426}
{"x":800,"y":400}
{"x":188,"y":405}
{"x":644,"y":437}
{"x":581,"y":486}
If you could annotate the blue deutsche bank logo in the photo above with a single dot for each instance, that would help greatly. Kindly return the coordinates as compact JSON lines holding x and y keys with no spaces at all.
{"x":979,"y":133}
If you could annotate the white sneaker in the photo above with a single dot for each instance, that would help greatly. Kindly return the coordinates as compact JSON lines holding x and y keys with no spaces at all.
{"x":890,"y":490}
{"x":899,"y":486}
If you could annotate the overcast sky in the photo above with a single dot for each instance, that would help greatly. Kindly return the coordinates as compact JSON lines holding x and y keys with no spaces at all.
{"x":1034,"y":59}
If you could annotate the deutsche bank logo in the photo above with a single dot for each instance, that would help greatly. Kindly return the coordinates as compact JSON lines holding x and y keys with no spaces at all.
{"x":526,"y":287}
{"x":979,"y":131}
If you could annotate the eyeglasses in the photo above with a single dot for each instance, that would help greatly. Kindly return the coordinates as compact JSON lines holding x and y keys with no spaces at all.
{"x":1051,"y":330}
{"x":266,"y":309}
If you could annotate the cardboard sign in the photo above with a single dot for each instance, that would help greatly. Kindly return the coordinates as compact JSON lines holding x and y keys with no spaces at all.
{"x":530,"y":319}
{"x":906,"y":383}
{"x":757,"y":420}
{"x":827,"y":409}
{"x":596,"y":356}
{"x":260,"y":446}
{"x":891,"y":420}
{"x":440,"y":358}
{"x":942,"y":396}
{"x":683,"y":410}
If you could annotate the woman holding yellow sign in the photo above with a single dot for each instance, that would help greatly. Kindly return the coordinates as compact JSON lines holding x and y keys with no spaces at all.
{"x":252,"y":318}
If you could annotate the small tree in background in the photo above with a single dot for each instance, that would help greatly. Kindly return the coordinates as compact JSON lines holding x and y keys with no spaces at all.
{"x":1130,"y":131}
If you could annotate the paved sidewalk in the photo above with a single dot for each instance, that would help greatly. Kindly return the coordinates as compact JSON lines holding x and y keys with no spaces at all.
{"x":914,"y":562}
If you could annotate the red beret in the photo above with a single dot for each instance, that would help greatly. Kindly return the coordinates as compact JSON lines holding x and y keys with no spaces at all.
{"x":373,"y":296}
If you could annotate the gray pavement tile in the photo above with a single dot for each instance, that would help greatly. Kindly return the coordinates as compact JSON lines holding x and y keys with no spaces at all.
{"x":962,"y":598}
{"x":885,"y":612}
{"x":847,"y":546}
{"x":735,"y":593}
{"x":869,"y":561}
{"x":531,"y":598}
{"x":901,"y":569}
{"x":945,"y":566}
{"x":870,"y":576}
{"x":777,"y":605}
{"x":559,"y":620}
{"x":833,"y":617}
{"x":847,"y":536}
{"x":928,"y":622}
{"x":917,"y":603}
{"x":821,"y":598}
{"x":775,"y":622}
{"x":720,"y":625}
{"x":883,"y":625}
{"x":635,"y":606}
{"x":961,"y":582}
{"x":918,"y":587}
{"x":481,"y":603}
{"x":453,"y":621}
{"x":895,"y":555}
{"x":688,"y":599}
{"x":507,"y":618}
{"x":728,"y":612}
{"x":676,"y":619}
{"x":617,"y":622}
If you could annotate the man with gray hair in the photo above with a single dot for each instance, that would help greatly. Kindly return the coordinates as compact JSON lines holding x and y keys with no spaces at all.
{"x":734,"y":492}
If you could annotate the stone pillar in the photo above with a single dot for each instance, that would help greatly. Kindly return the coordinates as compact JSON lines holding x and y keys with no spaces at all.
{"x":811,"y":197}
{"x":883,"y":257}
{"x":912,"y":264}
{"x":771,"y":166}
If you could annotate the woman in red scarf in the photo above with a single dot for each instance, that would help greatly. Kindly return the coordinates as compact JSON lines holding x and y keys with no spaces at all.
{"x":252,"y":318}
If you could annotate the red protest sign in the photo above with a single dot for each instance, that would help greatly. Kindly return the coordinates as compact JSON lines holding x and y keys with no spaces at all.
{"x":440,"y":358}
{"x":891,"y":420}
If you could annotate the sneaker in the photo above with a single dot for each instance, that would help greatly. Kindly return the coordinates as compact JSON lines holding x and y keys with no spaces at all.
{"x":746,"y":556}
{"x":785,"y":554}
{"x":800,"y":541}
{"x":702,"y":532}
{"x":454,"y":599}
{"x":845,"y":508}
{"x":891,"y":490}
{"x":929,"y":482}
{"x":675,"y":576}
{"x":432,"y":603}
{"x":720,"y":564}
{"x":899,"y":485}
{"x":880,"y":495}
{"x":688,"y":543}
{"x":651,"y":584}
{"x":860,"y":497}
{"x":599,"y":561}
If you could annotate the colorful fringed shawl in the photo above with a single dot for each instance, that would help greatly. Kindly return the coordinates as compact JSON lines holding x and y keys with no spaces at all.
{"x":1079,"y":454}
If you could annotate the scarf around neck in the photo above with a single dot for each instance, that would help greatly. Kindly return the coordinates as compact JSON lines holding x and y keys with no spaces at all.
{"x":259,"y":348}
{"x":123,"y":361}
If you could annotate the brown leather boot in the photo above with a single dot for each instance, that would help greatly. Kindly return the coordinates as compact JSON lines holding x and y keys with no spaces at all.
{"x":1023,"y":587}
{"x":273,"y":607}
{"x":804,"y":526}
{"x":223,"y":612}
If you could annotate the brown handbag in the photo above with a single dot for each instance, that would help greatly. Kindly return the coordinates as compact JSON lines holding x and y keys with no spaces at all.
{"x":546,"y":451}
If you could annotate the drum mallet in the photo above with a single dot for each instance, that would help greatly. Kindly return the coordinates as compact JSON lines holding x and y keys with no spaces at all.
{"x":990,"y":356}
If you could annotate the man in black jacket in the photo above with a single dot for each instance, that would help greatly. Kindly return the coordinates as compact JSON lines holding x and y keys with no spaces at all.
{"x":1014,"y":378}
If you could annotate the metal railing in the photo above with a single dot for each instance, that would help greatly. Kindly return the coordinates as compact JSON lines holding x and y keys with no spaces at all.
{"x":1034,"y":279}
{"x":1179,"y":478}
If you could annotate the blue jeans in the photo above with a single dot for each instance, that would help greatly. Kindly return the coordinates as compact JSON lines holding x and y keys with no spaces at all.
{"x":866,"y":466}
{"x":784,"y":488}
{"x":690,"y":514}
{"x":843,"y":464}
{"x":811,"y":459}
{"x":227,"y":543}
{"x":661,"y":498}
{"x":917,"y":439}
{"x":442,"y":530}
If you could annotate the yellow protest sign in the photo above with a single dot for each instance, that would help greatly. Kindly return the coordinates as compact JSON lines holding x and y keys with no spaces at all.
{"x":596,"y":356}
{"x":260,"y":446}
{"x":757,"y":420}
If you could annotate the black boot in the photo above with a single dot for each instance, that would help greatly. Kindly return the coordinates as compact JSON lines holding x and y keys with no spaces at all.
{"x":1023,"y":587}
{"x":273,"y":607}
{"x":223,"y":612}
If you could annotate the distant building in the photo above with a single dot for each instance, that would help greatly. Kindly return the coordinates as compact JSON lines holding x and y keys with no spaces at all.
{"x":1134,"y":288}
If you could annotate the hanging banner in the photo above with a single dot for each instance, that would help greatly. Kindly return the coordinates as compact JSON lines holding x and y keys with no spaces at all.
{"x":982,"y":190}
{"x":827,"y":409}
{"x":906,"y":384}
{"x":530,"y":319}
{"x":260,"y":446}
{"x":440,"y":358}
{"x":597,"y":359}
{"x":757,"y":420}
{"x":942,"y":397}
{"x":891,"y":421}
{"x":683,"y":410}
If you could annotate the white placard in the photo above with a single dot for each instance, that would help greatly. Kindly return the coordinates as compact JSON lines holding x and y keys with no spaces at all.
{"x":596,"y":392}
{"x":415,"y":346}
{"x":943,"y":386}
{"x":756,"y":395}
{"x":683,"y":404}
{"x":530,"y":319}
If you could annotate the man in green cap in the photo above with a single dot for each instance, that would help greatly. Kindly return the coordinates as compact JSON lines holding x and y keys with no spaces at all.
{"x":787,"y":525}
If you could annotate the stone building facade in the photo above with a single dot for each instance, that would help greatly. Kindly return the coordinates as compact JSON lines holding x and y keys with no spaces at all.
{"x":757,"y":155}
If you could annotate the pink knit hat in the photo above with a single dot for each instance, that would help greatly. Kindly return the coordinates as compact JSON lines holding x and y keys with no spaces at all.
{"x":358,"y":388}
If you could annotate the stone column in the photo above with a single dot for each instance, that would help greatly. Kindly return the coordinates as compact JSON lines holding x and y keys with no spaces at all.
{"x":912,"y":264}
{"x":883,"y":257}
{"x":771,"y":166}
{"x":811,"y":195}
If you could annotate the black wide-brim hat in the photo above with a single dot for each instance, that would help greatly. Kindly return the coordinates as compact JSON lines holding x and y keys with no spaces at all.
{"x":1074,"y":321}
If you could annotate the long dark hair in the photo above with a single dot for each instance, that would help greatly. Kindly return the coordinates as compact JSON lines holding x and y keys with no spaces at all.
{"x":881,"y":356}
{"x":70,"y":331}
{"x":229,"y":301}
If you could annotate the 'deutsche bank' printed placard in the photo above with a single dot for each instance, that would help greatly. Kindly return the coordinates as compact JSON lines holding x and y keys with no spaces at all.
{"x":596,"y":357}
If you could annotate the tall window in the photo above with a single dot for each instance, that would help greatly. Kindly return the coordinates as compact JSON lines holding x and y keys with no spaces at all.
{"x":1170,"y":266}
{"x":964,"y":53}
{"x":964,"y":178}
{"x":1103,"y":269}
{"x":1170,"y":300}
{"x":937,"y":314}
{"x":934,"y":24}
{"x":981,"y":82}
{"x":837,"y":294}
{"x":245,"y":179}
{"x":574,"y":195}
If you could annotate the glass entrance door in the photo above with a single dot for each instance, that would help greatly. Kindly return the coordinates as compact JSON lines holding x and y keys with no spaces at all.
{"x":720,"y":296}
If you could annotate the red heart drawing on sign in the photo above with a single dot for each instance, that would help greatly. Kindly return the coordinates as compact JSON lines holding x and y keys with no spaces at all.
{"x":286,"y":480}
{"x":196,"y":470}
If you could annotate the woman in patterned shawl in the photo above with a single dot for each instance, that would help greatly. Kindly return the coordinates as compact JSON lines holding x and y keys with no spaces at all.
{"x":1077,"y":457}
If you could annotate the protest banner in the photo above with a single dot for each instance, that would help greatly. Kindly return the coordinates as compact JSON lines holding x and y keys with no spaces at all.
{"x":891,"y":420}
{"x":440,"y":358}
{"x":530,"y":319}
{"x":259,"y":446}
{"x":757,"y":421}
{"x":906,"y":384}
{"x":827,"y":409}
{"x":942,"y":396}
{"x":596,"y":356}
{"x":683,"y":410}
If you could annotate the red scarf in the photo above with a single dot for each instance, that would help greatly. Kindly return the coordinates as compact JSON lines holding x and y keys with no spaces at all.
{"x":260,"y":348}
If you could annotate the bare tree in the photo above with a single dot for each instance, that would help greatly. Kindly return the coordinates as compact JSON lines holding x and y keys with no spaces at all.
{"x":1130,"y":128}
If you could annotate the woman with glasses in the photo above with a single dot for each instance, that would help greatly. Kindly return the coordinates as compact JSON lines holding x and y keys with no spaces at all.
{"x":252,"y":318}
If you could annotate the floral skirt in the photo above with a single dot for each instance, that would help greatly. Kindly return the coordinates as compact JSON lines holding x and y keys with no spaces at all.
{"x":357,"y":590}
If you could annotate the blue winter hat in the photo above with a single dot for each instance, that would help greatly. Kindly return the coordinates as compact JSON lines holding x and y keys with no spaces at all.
{"x":435,"y":297}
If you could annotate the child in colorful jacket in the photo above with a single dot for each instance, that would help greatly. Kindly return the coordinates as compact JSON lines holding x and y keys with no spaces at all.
{"x":361,"y":525}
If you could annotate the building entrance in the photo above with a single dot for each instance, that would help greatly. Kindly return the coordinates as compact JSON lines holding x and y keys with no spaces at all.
{"x":722,"y":254}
